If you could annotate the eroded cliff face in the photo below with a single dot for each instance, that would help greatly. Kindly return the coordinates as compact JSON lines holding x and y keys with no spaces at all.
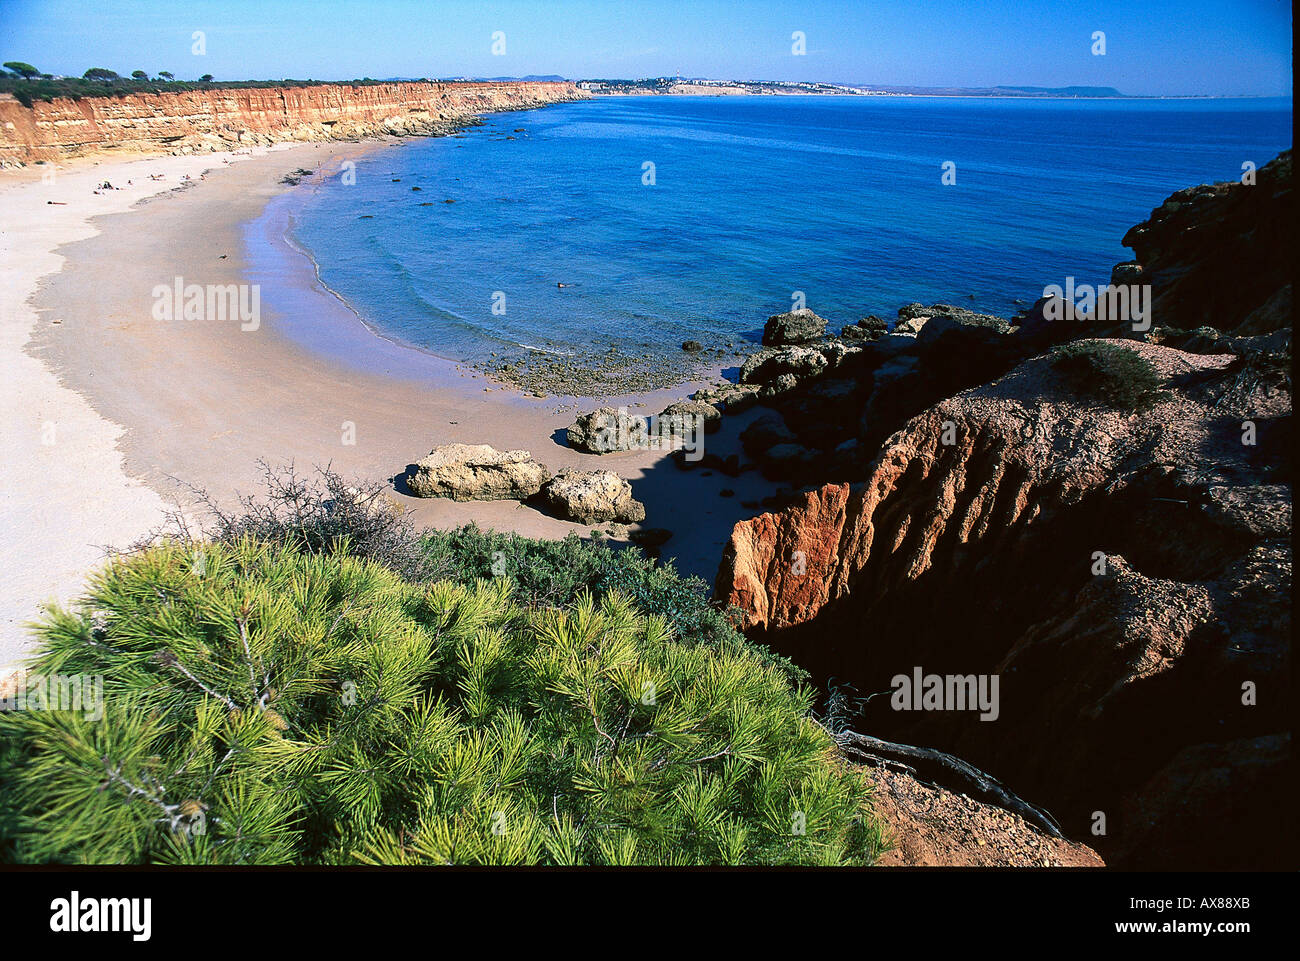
{"x":1125,"y":576}
{"x":224,"y":119}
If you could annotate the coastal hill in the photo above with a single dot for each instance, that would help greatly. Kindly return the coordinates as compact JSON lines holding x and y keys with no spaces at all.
{"x":227,"y":117}
{"x":1113,"y":546}
{"x":700,"y":86}
{"x":677,"y":86}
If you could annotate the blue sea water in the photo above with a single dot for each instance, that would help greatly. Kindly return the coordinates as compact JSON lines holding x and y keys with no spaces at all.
{"x":753,"y":198}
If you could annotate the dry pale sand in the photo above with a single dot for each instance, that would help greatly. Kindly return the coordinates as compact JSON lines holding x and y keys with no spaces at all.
{"x":142,"y":406}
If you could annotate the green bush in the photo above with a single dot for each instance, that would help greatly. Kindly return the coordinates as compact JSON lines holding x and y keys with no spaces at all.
{"x":325,"y":513}
{"x":268,"y":706}
{"x":556,"y":573}
{"x":1115,"y":374}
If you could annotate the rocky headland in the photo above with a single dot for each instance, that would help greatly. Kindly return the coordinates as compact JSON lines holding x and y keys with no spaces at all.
{"x":1097,"y":515}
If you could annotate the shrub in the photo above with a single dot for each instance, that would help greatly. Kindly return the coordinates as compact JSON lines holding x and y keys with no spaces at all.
{"x":556,"y":573}
{"x":1115,"y":374}
{"x":324,"y":513}
{"x":267,"y":706}
{"x":319,"y":513}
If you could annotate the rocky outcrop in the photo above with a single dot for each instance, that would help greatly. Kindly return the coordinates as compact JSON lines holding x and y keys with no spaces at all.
{"x":971,"y":546}
{"x":913,"y":317}
{"x":868,"y":328}
{"x":592,"y":497}
{"x":799,"y":326}
{"x":477,"y":472}
{"x":969,"y":510}
{"x":1219,"y":255}
{"x":781,"y":369}
{"x":227,"y":118}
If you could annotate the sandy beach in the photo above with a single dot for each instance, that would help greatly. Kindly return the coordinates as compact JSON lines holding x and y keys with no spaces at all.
{"x":111,"y":411}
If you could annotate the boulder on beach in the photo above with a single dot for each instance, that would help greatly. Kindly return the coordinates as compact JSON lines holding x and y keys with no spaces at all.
{"x":685,"y":416}
{"x":800,"y":326}
{"x":605,"y":430}
{"x":731,"y":398}
{"x":767,"y":431}
{"x":592,"y":496}
{"x":477,"y":472}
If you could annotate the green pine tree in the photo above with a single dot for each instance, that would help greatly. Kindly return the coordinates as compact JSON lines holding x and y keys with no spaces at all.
{"x":265,"y":706}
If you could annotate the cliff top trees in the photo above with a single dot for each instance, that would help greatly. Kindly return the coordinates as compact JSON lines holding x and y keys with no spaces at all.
{"x":101,"y":73}
{"x":24,"y":70}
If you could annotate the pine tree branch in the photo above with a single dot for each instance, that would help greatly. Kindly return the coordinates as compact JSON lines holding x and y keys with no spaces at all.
{"x":173,"y":817}
{"x":168,"y":659}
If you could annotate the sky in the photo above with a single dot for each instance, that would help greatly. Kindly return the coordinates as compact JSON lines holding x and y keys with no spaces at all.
{"x":1152,"y":47}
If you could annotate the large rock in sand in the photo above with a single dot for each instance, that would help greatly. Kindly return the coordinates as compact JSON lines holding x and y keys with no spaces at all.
{"x":685,"y":417}
{"x":592,"y":496}
{"x":477,"y":472}
{"x":606,"y":429}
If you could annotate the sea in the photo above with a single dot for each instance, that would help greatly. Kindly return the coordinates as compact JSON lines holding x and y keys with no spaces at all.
{"x":643,"y":222}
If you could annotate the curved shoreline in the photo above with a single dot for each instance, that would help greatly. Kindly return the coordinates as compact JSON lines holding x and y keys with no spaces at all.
{"x":352,"y":339}
{"x":192,"y":403}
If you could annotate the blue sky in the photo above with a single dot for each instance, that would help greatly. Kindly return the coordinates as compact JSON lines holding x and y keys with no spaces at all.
{"x":1153,"y":47}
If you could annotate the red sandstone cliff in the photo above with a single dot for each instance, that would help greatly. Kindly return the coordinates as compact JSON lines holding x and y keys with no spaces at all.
{"x":226,"y":118}
{"x":980,"y":556}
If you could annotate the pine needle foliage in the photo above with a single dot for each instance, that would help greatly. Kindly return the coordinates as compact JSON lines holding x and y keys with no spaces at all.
{"x":263,"y":705}
{"x":555,"y":573}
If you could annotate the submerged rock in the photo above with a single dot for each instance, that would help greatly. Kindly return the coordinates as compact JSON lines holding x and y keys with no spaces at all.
{"x":477,"y":472}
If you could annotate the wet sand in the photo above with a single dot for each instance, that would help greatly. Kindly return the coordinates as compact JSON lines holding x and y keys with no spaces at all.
{"x":145,"y":406}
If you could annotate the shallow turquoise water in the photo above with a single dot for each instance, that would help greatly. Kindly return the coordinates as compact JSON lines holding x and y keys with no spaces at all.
{"x":754,"y":199}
